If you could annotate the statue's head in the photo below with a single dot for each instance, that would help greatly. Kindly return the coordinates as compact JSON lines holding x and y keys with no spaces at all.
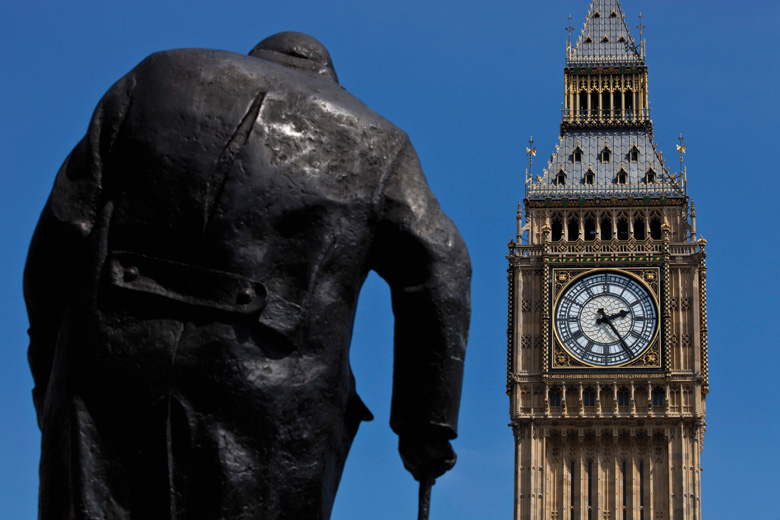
{"x":296,"y":50}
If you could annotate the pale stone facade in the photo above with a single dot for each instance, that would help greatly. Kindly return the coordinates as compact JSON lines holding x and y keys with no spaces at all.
{"x":602,"y":439}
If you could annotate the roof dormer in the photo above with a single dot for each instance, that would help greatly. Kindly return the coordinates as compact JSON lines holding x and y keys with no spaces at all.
{"x":577,"y":154}
{"x":590,"y":177}
{"x":633,"y":153}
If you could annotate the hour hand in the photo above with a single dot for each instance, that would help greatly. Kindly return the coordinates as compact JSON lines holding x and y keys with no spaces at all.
{"x":621,"y":314}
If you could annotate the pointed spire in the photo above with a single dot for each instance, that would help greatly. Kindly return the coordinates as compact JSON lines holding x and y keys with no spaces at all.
{"x":605,"y":37}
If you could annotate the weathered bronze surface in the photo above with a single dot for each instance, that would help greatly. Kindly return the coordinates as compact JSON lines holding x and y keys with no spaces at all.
{"x":192,"y":285}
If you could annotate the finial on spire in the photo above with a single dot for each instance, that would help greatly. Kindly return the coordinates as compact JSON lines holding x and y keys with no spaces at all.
{"x":681,"y":151}
{"x":569,"y":29}
{"x":530,"y":151}
{"x":640,"y":26}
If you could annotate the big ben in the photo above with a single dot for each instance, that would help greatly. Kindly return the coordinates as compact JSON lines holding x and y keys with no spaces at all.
{"x":607,"y":318}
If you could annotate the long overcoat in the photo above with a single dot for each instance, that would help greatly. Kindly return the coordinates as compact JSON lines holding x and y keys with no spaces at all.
{"x":192,"y":285}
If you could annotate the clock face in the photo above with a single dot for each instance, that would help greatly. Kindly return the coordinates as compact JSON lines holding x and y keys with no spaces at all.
{"x":606,"y":318}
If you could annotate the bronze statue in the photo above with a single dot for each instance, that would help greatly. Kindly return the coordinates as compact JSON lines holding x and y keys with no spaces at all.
{"x":192,"y":285}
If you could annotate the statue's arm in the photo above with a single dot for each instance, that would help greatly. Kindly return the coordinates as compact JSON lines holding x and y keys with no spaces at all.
{"x":58,"y":258}
{"x":54,"y":261}
{"x":420,"y":253}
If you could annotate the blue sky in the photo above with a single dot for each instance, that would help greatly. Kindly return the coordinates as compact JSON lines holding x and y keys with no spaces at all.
{"x":469,"y":82}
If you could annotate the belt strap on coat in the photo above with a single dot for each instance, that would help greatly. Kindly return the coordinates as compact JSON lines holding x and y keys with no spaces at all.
{"x":202,"y":287}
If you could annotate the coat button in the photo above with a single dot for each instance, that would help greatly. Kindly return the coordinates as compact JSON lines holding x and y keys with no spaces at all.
{"x":245,"y":296}
{"x":130,"y":273}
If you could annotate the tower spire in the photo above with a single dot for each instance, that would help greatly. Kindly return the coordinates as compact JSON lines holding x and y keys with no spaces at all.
{"x":605,"y":38}
{"x":605,"y":119}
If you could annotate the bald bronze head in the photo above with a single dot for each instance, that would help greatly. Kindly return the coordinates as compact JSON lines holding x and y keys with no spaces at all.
{"x":296,"y":50}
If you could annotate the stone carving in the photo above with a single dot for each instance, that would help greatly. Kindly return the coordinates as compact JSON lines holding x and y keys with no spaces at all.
{"x":192,"y":283}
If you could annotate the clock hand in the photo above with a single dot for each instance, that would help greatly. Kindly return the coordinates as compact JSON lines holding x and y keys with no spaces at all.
{"x":622,"y":343}
{"x":621,"y":314}
{"x":608,"y":320}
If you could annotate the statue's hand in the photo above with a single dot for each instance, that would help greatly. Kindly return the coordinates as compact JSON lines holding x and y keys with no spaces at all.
{"x":426,"y":455}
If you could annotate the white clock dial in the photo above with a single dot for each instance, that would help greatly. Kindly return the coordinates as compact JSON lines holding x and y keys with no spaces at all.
{"x":606,"y":318}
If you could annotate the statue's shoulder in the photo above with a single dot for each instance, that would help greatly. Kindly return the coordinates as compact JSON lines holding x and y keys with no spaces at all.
{"x":220,"y":82}
{"x":192,"y":63}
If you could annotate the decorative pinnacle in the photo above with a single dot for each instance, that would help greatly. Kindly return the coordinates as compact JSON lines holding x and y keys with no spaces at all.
{"x":640,"y":26}
{"x":681,"y":151}
{"x":530,"y":151}
{"x":569,"y":29}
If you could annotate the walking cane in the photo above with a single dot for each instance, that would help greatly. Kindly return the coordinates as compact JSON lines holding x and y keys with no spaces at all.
{"x":424,"y":508}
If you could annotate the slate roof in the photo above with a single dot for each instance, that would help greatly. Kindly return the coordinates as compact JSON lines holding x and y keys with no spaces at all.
{"x":605,"y":38}
{"x":591,"y":142}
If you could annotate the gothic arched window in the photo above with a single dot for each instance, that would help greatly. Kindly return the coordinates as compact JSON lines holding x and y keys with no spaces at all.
{"x":655,"y":228}
{"x":557,"y":230}
{"x":589,"y":397}
{"x":623,"y":397}
{"x":555,"y":396}
{"x":658,"y":396}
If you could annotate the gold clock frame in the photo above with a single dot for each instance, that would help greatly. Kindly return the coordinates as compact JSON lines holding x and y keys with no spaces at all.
{"x":647,"y":277}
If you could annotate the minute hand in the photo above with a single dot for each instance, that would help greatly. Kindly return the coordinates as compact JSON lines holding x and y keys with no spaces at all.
{"x":606,"y":319}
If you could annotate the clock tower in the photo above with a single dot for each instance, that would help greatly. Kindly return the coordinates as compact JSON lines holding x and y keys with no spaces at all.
{"x":607,"y":334}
